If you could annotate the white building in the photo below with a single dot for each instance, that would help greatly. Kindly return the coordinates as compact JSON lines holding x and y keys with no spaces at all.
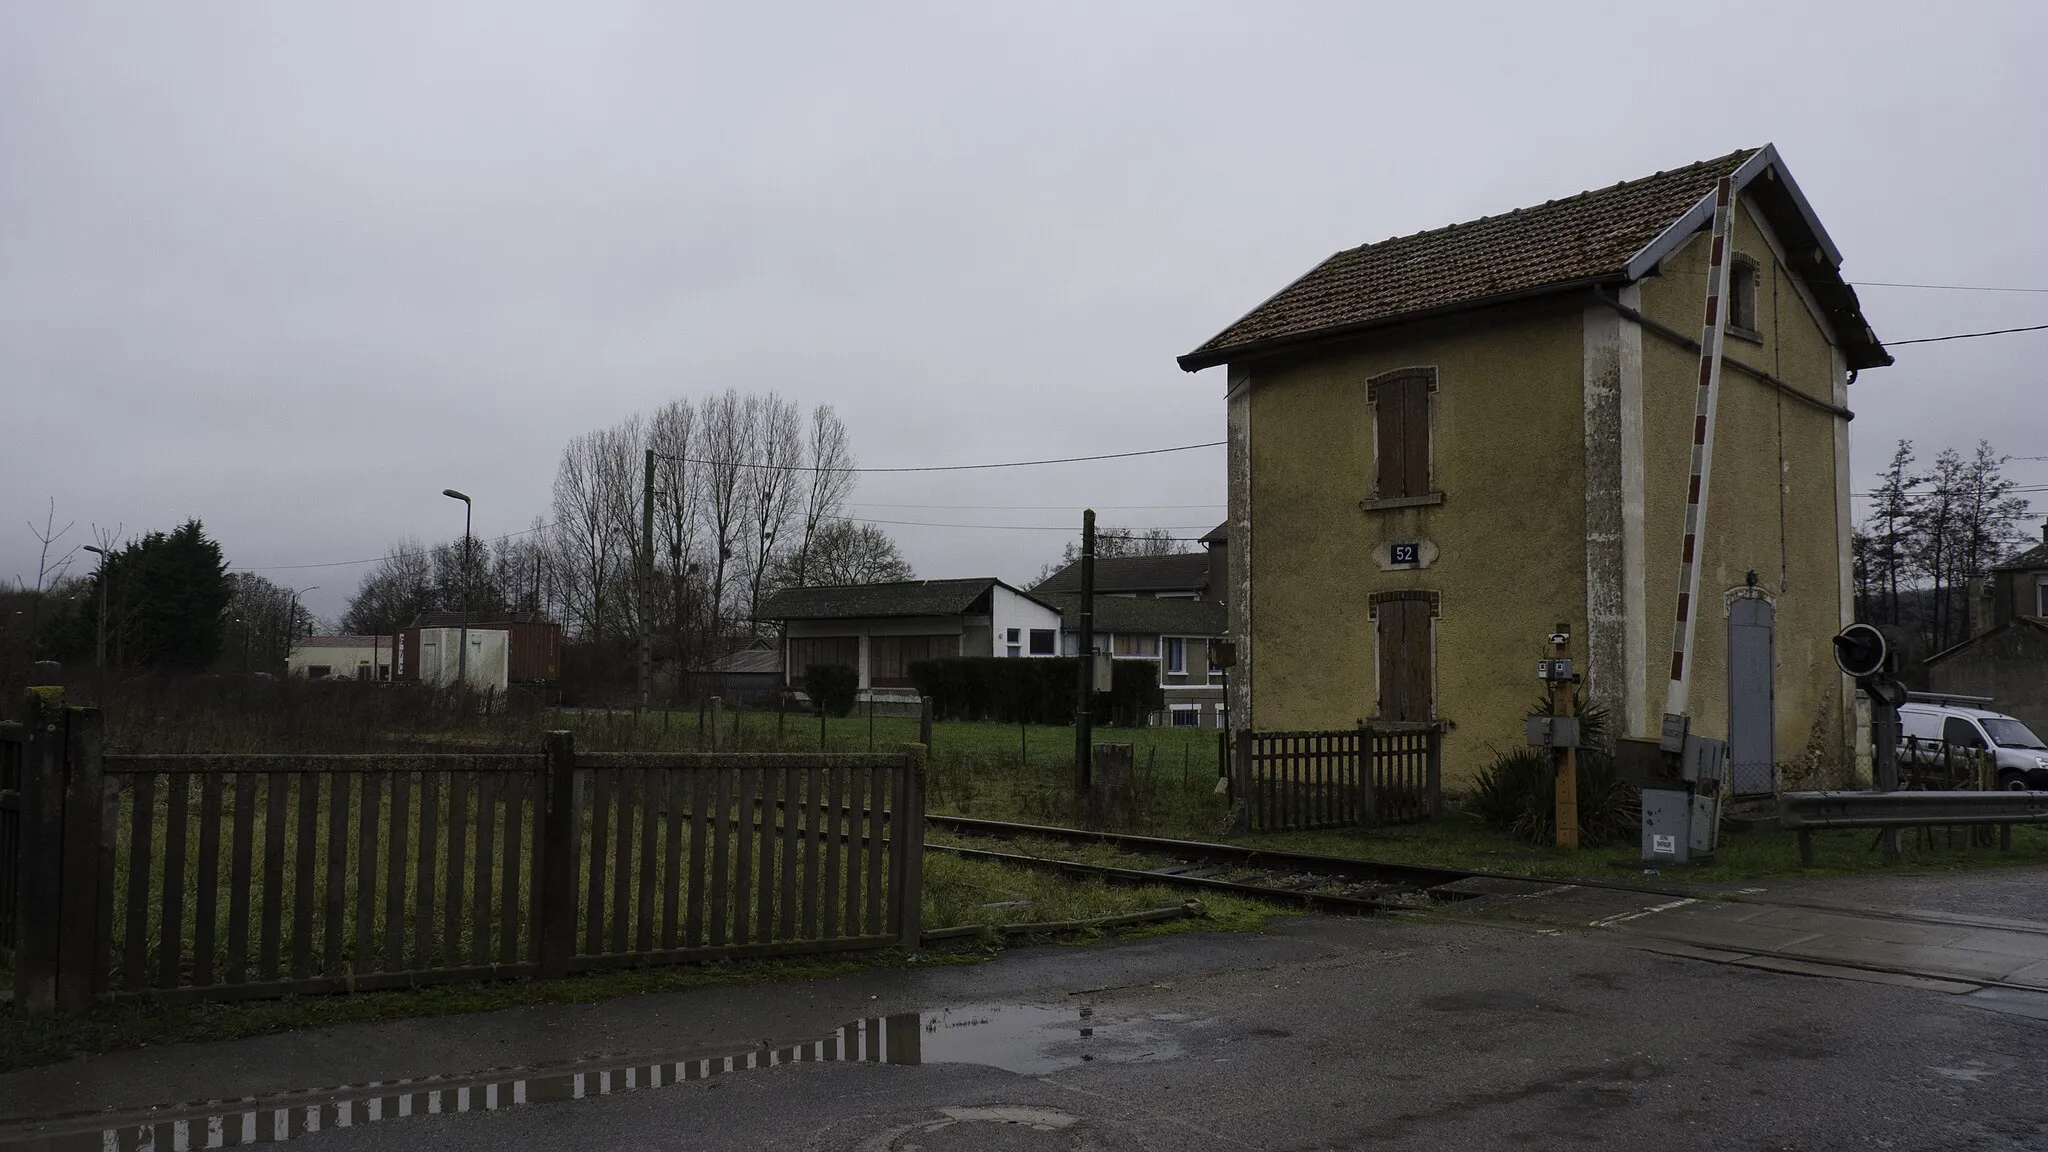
{"x":489,"y":666}
{"x":342,"y":657}
{"x":881,"y":629}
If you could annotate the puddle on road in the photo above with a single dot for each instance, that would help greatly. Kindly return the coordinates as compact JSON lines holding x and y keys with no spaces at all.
{"x":1028,"y":1039}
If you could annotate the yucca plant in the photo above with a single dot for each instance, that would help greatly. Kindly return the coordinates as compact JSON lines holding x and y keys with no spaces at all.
{"x":1517,"y":793}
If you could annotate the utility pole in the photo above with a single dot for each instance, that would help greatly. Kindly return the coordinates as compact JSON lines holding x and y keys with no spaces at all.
{"x":1084,"y":648}
{"x":646,"y":579}
{"x":1561,"y":704}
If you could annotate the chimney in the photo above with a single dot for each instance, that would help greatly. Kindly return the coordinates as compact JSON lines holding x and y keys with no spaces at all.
{"x":2044,"y":531}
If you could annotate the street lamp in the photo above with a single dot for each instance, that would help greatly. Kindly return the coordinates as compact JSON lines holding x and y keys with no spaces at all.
{"x":100,"y":656}
{"x":462,"y":638}
{"x":291,"y":624}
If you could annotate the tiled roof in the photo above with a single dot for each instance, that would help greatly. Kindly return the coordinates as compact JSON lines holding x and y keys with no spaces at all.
{"x":855,"y":601}
{"x":1149,"y":614}
{"x":2035,"y":557}
{"x":1179,"y":572}
{"x":1588,"y":236}
{"x":341,"y":641}
{"x":750,"y":661}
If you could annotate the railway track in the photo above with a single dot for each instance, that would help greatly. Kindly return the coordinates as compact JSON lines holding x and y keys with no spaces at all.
{"x":1323,"y":883}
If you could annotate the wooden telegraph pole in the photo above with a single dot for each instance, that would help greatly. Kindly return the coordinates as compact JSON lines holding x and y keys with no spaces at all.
{"x":1567,"y":753}
{"x":1084,"y":651}
{"x":645,"y":579}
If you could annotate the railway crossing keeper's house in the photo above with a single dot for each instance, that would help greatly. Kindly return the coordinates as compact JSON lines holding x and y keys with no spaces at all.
{"x":1442,"y":444}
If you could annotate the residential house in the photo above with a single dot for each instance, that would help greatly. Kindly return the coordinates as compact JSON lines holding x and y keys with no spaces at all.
{"x":341,"y":657}
{"x":881,"y":629}
{"x":2007,"y":661}
{"x":1167,"y":609}
{"x":1443,"y":444}
{"x":752,"y":675}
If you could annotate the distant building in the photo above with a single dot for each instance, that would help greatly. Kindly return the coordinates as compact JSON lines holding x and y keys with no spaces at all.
{"x":1164,"y":608}
{"x":341,"y":657}
{"x":2008,"y":661}
{"x":519,"y":648}
{"x":881,"y":629}
{"x":752,"y":675}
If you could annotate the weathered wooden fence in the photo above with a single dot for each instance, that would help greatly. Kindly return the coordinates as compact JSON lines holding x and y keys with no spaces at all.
{"x":222,"y":877}
{"x":1295,"y":781}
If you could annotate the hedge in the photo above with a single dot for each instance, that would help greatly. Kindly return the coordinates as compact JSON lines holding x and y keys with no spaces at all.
{"x":1034,"y":690}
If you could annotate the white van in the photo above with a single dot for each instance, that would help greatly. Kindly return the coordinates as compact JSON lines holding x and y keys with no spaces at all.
{"x":2021,"y":756}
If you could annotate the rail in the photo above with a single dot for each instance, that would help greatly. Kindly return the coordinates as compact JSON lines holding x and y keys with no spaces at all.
{"x":1807,"y":812}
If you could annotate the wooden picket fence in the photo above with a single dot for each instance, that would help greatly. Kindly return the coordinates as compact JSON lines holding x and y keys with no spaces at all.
{"x":1351,"y":777}
{"x":244,"y":876}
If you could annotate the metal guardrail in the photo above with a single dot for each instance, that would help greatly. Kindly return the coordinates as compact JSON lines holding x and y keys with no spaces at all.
{"x":1804,"y":812}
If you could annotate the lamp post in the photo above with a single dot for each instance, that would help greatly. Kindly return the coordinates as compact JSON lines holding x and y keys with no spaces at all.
{"x":291,"y":624}
{"x":100,"y":646}
{"x":462,"y":638}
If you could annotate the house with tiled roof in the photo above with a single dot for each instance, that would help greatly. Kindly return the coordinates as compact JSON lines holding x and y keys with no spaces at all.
{"x":1443,"y":444}
{"x":2006,"y":660}
{"x":1165,"y":608}
{"x":880,"y":630}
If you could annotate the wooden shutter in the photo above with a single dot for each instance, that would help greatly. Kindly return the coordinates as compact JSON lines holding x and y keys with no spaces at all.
{"x":1401,"y":412}
{"x":1406,"y":679}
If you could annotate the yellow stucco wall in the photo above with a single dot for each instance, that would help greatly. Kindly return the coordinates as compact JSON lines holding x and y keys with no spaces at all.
{"x":1508,"y":454}
{"x":1772,"y":500}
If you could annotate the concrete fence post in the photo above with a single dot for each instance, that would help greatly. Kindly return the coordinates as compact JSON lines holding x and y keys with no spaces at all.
{"x":39,"y":897}
{"x":717,"y":726}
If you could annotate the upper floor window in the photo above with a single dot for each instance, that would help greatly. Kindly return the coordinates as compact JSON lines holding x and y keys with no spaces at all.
{"x":1402,"y":410}
{"x":1742,"y":295}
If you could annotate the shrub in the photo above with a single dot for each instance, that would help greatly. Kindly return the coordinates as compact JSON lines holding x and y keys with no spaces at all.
{"x":1517,"y":793}
{"x":1033,"y":691}
{"x":832,"y":687}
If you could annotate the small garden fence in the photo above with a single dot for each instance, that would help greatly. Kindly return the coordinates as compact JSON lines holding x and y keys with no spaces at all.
{"x":1297,"y":781}
{"x":231,"y":877}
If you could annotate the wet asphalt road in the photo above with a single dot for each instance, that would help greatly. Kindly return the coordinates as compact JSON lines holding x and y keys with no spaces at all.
{"x":1320,"y":1034}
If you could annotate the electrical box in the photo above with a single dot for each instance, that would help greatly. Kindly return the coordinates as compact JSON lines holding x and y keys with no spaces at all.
{"x":1552,"y":731}
{"x":1105,"y":672}
{"x":1559,"y":669}
{"x":1682,"y":814}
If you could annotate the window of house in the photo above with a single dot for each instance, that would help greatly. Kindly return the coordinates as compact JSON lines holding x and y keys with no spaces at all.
{"x":1013,"y":636}
{"x":1742,"y":294}
{"x":890,"y":657}
{"x":319,"y":671}
{"x":1186,"y":715}
{"x":2041,"y":595}
{"x":1136,"y":644}
{"x":1404,"y":628}
{"x":805,"y":652}
{"x":1042,"y":641}
{"x":1401,"y":433}
{"x":1176,"y":655}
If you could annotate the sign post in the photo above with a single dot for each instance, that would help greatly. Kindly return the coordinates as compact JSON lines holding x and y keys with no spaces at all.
{"x":1561,"y":704}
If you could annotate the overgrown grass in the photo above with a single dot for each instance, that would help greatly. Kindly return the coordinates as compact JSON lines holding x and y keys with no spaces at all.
{"x":1459,"y":840}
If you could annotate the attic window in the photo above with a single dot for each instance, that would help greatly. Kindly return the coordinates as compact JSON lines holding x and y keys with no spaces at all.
{"x":1742,"y":296}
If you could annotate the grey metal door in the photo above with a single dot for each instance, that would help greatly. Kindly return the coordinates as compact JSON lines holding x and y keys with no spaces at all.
{"x":1752,"y":744}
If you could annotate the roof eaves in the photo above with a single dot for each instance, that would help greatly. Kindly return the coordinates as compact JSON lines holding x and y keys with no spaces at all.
{"x":1698,"y":216}
{"x":1198,"y":360}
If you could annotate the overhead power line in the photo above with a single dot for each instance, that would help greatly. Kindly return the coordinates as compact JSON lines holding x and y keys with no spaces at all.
{"x":1966,"y":335}
{"x":947,"y":467}
{"x":1941,"y":287}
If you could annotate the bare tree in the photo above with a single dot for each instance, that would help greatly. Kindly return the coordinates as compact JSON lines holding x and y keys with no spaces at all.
{"x":774,"y":491}
{"x":843,"y":552}
{"x":678,"y":515}
{"x":829,"y":482}
{"x":1113,"y":542}
{"x":592,"y":556}
{"x":393,"y":593}
{"x":48,"y":571}
{"x":726,"y":438}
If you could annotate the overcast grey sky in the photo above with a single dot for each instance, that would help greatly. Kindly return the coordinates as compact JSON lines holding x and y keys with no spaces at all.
{"x":295,"y":268}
